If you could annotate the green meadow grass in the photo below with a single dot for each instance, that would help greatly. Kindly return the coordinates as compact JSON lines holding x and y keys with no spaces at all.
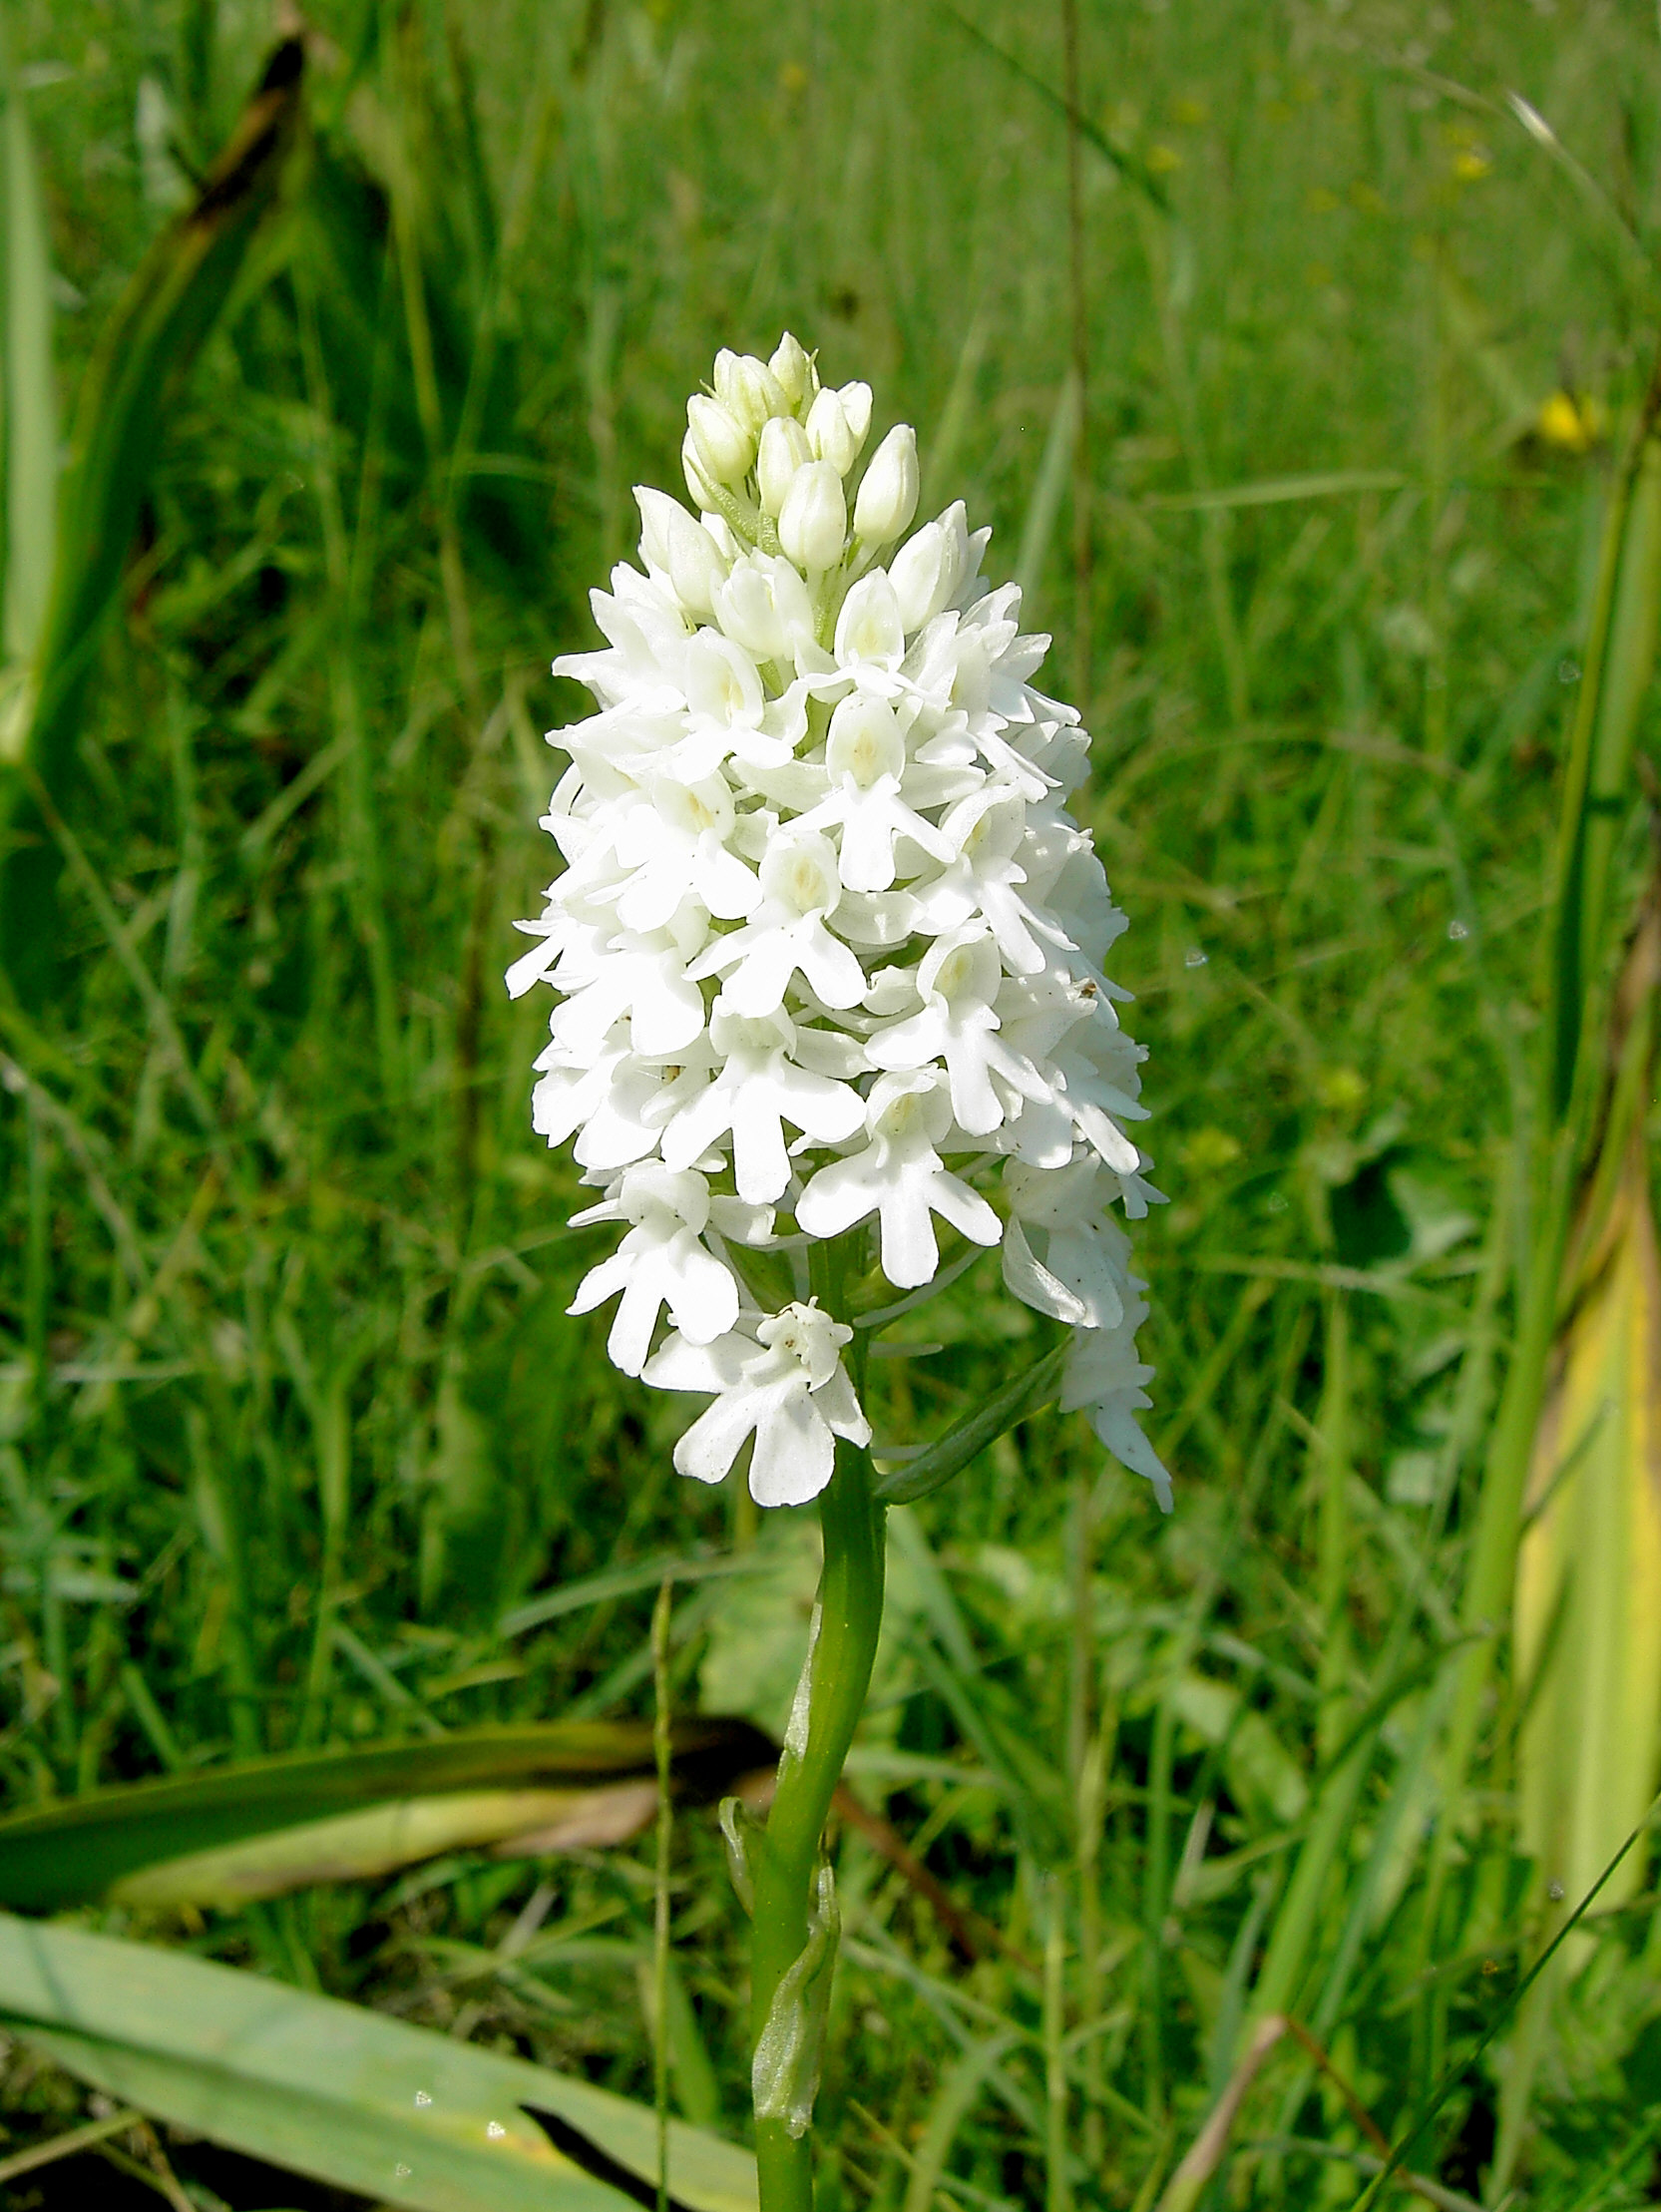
{"x":291,"y":1420}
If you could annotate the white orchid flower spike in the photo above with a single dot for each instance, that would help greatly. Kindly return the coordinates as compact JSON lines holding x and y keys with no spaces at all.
{"x":829,"y":949}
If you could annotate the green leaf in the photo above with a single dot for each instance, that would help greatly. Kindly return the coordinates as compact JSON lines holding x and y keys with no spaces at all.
{"x":31,"y":405}
{"x":399,"y":2114}
{"x":1597,"y":783}
{"x":1038,"y":1387}
{"x":144,"y":354}
{"x":268,"y":1825}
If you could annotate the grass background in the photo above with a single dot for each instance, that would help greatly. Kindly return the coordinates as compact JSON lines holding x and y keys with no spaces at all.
{"x":282,"y":1242}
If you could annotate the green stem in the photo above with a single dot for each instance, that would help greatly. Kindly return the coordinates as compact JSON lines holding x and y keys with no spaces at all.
{"x":828,"y":1704}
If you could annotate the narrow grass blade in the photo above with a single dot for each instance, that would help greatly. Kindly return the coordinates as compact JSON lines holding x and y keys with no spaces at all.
{"x":355,"y":1847}
{"x":395,"y":1794}
{"x":1275,"y":491}
{"x":31,"y":404}
{"x":1191,"y":2179}
{"x":398,"y":2114}
{"x":1299,"y":1921}
{"x":954,"y":2100}
{"x":1051,"y":488}
{"x":1620,"y":661}
{"x":1455,"y":2071}
{"x":143,"y":356}
{"x":1119,"y":158}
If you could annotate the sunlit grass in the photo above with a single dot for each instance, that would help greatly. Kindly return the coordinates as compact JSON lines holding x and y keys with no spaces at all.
{"x":292,"y":1417}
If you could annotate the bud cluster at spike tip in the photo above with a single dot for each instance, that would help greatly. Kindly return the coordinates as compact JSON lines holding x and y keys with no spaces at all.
{"x":829,"y":947}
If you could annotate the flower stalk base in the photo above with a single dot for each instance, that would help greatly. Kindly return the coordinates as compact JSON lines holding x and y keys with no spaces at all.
{"x":794,"y":1912}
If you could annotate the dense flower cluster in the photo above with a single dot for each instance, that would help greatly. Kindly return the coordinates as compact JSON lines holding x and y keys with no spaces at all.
{"x":830,"y":948}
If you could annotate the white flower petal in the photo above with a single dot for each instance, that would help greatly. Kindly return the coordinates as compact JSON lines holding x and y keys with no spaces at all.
{"x":795,"y":1453}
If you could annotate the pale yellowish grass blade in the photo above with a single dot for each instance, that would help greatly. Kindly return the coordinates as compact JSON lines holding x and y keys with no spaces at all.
{"x":1588,"y":1592}
{"x":1587,"y":1607}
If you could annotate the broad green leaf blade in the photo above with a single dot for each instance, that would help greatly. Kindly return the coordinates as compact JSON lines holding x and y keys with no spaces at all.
{"x":1587,"y":1619}
{"x":402,"y":2114}
{"x":31,"y":409}
{"x":1588,"y":1589}
{"x":143,"y":353}
{"x":353,"y":1847}
{"x":1038,"y":1387}
{"x":72,"y":1852}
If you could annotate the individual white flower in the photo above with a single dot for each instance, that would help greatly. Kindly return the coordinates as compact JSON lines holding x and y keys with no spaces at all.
{"x":786,"y":935}
{"x":1105,"y":1379}
{"x":792,"y":367}
{"x":760,"y":1086}
{"x":901,"y":1179}
{"x":865,"y":758}
{"x":785,"y":1385}
{"x":837,"y":423}
{"x":989,"y":832}
{"x":674,"y":838}
{"x":644,"y":977}
{"x":958,"y":980}
{"x":660,"y":1263}
{"x":870,"y":635}
{"x":929,"y":568}
{"x":1062,"y":1254}
{"x":763,"y":607}
{"x":828,"y":946}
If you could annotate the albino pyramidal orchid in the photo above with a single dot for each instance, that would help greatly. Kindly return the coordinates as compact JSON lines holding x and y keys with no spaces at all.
{"x":829,"y":947}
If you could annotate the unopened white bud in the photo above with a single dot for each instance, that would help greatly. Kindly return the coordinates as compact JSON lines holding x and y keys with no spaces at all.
{"x":693,"y":470}
{"x":794,"y":370}
{"x":782,"y":451}
{"x":855,"y":406}
{"x":927,"y":569}
{"x":888,"y":492}
{"x":725,"y":446}
{"x":830,"y":434}
{"x":683,"y":550}
{"x":813,"y":521}
{"x":748,"y":390}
